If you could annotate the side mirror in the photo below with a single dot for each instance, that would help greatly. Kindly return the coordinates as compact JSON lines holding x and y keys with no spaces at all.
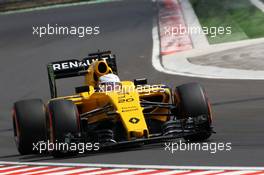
{"x":82,"y":89}
{"x":141,"y":81}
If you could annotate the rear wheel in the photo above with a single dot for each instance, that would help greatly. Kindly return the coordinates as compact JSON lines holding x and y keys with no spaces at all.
{"x":29,"y":123}
{"x":64,"y":123}
{"x":193,"y":103}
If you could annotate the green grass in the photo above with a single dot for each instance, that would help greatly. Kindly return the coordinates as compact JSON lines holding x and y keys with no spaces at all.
{"x":246,"y":20}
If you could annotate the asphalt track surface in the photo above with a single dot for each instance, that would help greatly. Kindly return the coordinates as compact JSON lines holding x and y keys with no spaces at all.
{"x":126,"y":29}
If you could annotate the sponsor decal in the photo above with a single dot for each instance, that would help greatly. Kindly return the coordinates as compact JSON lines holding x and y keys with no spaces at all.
{"x":134,"y":120}
{"x":129,"y":108}
{"x":75,"y":64}
{"x":123,"y":99}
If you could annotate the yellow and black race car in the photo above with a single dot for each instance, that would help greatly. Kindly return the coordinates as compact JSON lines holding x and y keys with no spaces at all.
{"x":113,"y":114}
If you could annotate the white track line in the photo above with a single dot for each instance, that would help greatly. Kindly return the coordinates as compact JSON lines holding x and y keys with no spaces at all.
{"x":259,"y":4}
{"x":46,"y":171}
{"x":137,"y":172}
{"x":178,"y":65}
{"x":103,"y":172}
{"x":21,"y":170}
{"x":238,"y":173}
{"x":207,"y":172}
{"x":11,"y":167}
{"x":173,"y":172}
{"x":80,"y":170}
{"x":156,"y":49}
{"x":134,"y":166}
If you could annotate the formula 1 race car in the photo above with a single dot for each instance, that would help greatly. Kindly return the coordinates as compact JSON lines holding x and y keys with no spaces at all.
{"x":123,"y":113}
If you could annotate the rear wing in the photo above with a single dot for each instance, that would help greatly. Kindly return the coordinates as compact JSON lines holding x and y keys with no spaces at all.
{"x":75,"y":67}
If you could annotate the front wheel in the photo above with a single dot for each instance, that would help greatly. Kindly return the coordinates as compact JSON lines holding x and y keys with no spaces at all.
{"x":64,"y":123}
{"x":194,"y":105}
{"x":29,"y":122}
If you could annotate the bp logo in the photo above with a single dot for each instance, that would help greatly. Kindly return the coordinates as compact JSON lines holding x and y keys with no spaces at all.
{"x":134,"y":120}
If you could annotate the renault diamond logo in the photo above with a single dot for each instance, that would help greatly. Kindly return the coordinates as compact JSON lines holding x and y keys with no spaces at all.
{"x":134,"y":120}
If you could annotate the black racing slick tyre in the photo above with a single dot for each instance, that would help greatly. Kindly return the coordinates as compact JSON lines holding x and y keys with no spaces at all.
{"x":64,"y":124}
{"x":29,"y":123}
{"x":193,"y":103}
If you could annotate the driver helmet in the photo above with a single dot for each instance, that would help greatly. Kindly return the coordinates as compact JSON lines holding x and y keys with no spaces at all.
{"x":109,"y":82}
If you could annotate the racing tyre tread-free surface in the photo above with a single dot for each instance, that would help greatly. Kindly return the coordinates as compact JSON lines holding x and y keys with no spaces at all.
{"x":29,"y":123}
{"x":64,"y":120}
{"x":194,"y":104}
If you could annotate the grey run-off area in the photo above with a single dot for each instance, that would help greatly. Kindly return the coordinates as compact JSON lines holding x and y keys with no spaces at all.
{"x":247,"y":58}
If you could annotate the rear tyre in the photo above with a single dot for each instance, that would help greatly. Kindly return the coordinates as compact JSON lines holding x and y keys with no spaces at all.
{"x":193,"y":103}
{"x":29,"y":123}
{"x":64,"y":122}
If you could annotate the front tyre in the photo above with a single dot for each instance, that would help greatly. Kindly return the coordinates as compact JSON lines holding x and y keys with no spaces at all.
{"x":64,"y":123}
{"x":29,"y":123}
{"x":193,"y":104}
